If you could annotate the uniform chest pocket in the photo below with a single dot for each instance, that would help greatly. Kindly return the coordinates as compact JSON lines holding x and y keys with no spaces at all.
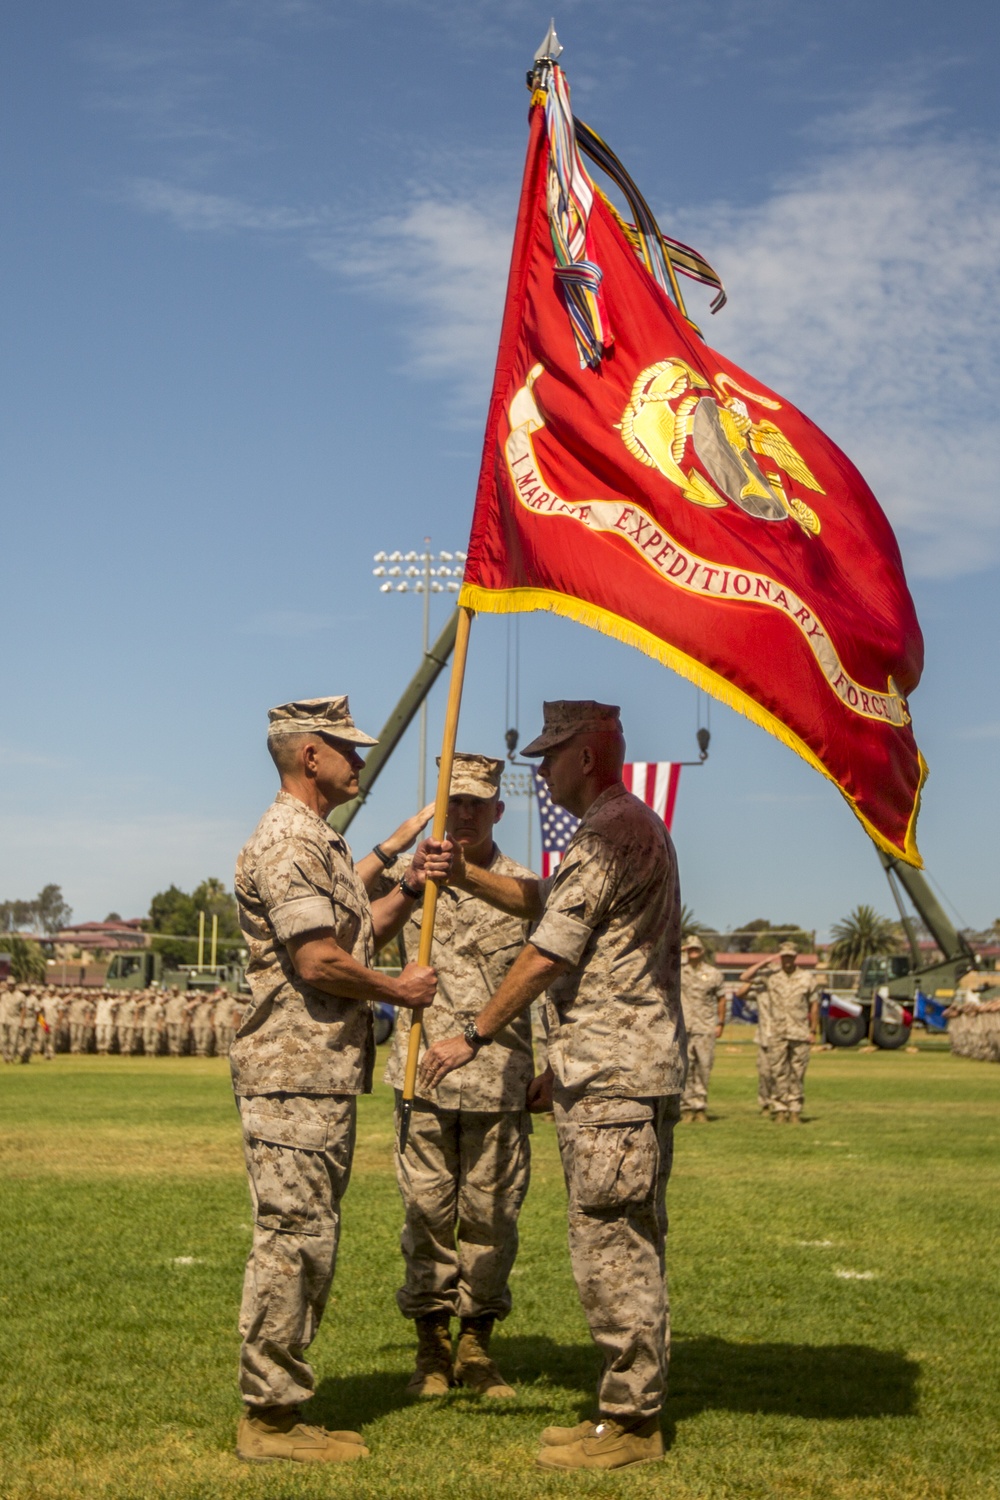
{"x":615,"y":1155}
{"x":497,"y":940}
{"x":348,"y":909}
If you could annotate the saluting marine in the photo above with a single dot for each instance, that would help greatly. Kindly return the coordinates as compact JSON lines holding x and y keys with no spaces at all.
{"x":788,"y":1008}
{"x":703,"y":1002}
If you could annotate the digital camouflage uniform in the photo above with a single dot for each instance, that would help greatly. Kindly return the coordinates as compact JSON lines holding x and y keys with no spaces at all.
{"x":616,"y":1047}
{"x":177,"y":1023}
{"x":125,"y":1023}
{"x":226,"y":1016}
{"x":80,"y":1014}
{"x":27,"y":1025}
{"x":105,"y":1012}
{"x":202,"y":1029}
{"x":465,"y":1172}
{"x":298,"y":1062}
{"x":783,"y":1010}
{"x":701,"y":991}
{"x":10,"y":1021}
{"x":139,"y":1004}
{"x":153,"y":1023}
{"x":52,"y":1010}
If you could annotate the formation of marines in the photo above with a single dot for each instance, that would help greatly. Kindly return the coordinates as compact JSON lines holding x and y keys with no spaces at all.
{"x":41,"y":1020}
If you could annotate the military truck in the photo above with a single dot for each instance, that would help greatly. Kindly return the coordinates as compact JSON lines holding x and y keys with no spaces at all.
{"x":895,"y":989}
{"x":145,"y":970}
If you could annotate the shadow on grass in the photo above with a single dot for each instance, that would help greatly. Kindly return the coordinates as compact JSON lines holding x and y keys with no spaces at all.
{"x":826,"y":1382}
{"x":834,"y":1382}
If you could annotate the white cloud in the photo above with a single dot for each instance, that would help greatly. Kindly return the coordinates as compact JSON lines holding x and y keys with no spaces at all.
{"x":867,"y":290}
{"x":980,"y":732}
{"x":294,"y":622}
{"x":190,"y":209}
{"x":444,"y":261}
{"x":21,"y":755}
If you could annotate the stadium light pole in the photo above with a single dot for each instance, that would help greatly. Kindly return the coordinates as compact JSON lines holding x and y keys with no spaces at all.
{"x":423,"y":575}
{"x":521,"y":784}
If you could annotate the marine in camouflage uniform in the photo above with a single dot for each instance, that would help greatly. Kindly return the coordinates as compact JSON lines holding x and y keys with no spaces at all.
{"x":787,"y":1004}
{"x":52,"y":1010}
{"x":202,"y":1030}
{"x":105,"y":1013}
{"x":703,"y":1002}
{"x":27,"y":1024}
{"x":80,"y":1013}
{"x":304,"y":1052}
{"x":607,"y":949}
{"x":464,"y":1174}
{"x":177,"y":1023}
{"x":125,"y":1023}
{"x":226,"y":1017}
{"x":11,"y":1000}
{"x":153,"y":1025}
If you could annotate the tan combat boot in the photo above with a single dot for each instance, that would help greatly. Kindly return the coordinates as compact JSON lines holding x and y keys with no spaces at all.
{"x":473,"y":1366}
{"x":609,"y":1445}
{"x":560,"y":1437}
{"x":270,"y":1434}
{"x":432,"y":1373}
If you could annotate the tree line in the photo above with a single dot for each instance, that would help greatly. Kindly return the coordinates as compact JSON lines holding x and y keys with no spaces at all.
{"x":862,"y":934}
{"x":47,"y":912}
{"x":172,"y":923}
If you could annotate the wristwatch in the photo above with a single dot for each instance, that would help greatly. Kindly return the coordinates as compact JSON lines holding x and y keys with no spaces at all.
{"x":408,"y":890}
{"x":473,"y":1038}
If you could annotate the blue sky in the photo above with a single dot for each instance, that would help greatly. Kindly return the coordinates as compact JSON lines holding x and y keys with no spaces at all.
{"x":252,"y":271}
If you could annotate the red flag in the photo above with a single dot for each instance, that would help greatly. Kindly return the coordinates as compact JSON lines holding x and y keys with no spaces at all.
{"x":647,"y":486}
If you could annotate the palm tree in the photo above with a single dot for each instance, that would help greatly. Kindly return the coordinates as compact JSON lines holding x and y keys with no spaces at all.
{"x":691,"y":927}
{"x":863,"y":934}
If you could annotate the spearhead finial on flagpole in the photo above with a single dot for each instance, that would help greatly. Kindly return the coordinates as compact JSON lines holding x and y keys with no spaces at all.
{"x":549,"y":52}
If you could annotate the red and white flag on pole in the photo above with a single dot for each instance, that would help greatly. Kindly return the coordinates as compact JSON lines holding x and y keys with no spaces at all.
{"x":654,"y":781}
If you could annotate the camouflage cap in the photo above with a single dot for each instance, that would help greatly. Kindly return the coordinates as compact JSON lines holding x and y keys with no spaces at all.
{"x":475,"y":775}
{"x":788,"y":948}
{"x":569,"y":716}
{"x":329,"y":716}
{"x":693,"y":941}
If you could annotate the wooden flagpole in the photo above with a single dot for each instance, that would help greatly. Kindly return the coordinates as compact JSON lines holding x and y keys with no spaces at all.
{"x":455,"y":685}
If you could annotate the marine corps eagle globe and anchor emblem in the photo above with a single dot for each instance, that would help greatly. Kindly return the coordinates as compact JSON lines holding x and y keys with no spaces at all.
{"x":672,"y":407}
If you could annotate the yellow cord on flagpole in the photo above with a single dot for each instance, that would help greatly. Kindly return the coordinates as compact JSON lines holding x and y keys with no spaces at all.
{"x":455,"y":685}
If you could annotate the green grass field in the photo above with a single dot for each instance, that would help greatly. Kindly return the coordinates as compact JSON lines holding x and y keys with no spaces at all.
{"x":835,"y":1302}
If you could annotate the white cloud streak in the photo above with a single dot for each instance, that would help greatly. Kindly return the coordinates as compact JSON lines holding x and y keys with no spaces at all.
{"x":866,"y":289}
{"x":192,"y":210}
{"x":868,"y":292}
{"x":295,"y":623}
{"x":444,"y":261}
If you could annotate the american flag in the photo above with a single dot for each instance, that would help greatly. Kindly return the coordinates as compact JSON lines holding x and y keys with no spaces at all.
{"x":655,"y":781}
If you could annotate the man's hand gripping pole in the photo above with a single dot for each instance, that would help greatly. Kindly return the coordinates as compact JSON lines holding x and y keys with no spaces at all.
{"x":437,"y":832}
